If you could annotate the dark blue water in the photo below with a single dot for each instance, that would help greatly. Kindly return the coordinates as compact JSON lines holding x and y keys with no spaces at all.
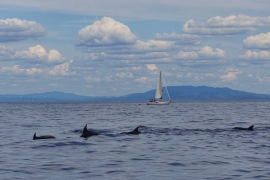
{"x":185,"y":140}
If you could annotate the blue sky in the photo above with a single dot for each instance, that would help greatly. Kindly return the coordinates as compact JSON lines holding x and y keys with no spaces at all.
{"x":101,"y":48}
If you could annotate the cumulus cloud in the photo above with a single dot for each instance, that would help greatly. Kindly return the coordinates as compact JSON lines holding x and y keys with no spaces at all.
{"x":125,"y":75}
{"x":151,"y":67}
{"x":106,"y":32}
{"x":16,"y":30}
{"x":226,"y":26}
{"x":38,"y":52}
{"x":16,"y":69}
{"x":33,"y":71}
{"x":230,"y":76}
{"x":106,"y":37}
{"x":205,"y":53}
{"x":180,"y":39}
{"x":258,"y":41}
{"x":110,"y":40}
{"x":61,"y":70}
{"x":254,"y":55}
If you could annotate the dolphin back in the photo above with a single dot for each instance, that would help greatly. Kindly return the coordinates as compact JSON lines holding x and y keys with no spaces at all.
{"x":250,"y":128}
{"x":43,"y":137}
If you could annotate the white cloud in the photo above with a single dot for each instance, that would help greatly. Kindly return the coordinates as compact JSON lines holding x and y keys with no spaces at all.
{"x":124,"y":75}
{"x":110,"y":40}
{"x":16,"y":69}
{"x":230,"y":76}
{"x":33,"y":71}
{"x":141,"y":79}
{"x":226,"y":26}
{"x":54,"y":56}
{"x":38,"y":52}
{"x":104,"y":36}
{"x":180,"y":39}
{"x":205,"y":53}
{"x":61,"y":70}
{"x":205,"y":56}
{"x":16,"y":30}
{"x":106,"y":32}
{"x":151,"y":67}
{"x":254,"y":55}
{"x":258,"y":41}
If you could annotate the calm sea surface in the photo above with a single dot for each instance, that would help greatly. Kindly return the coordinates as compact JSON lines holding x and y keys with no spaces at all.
{"x":184,"y":140}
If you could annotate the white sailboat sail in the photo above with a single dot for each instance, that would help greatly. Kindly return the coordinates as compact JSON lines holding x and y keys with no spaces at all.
{"x":158,"y":96}
{"x":159,"y":88}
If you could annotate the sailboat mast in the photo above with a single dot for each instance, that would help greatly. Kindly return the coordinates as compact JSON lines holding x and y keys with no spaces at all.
{"x":159,"y":88}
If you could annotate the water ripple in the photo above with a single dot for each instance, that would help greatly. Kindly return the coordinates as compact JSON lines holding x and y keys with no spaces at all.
{"x":185,"y":140}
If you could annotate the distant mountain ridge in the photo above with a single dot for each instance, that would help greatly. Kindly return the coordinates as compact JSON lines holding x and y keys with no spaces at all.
{"x":54,"y":96}
{"x":190,"y":93}
{"x":177,"y":93}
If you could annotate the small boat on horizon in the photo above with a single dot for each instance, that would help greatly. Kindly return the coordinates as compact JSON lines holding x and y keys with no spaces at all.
{"x":158,"y":96}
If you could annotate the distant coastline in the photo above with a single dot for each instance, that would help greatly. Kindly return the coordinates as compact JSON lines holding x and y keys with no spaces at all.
{"x":177,"y":93}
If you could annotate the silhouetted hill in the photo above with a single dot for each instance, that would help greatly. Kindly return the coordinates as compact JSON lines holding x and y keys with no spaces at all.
{"x":195,"y":93}
{"x":177,"y":93}
{"x":54,"y":96}
{"x":210,"y":93}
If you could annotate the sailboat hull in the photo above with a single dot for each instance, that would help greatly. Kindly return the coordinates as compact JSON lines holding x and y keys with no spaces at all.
{"x":158,"y":102}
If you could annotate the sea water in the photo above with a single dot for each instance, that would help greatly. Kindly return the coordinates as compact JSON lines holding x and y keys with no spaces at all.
{"x":183,"y":140}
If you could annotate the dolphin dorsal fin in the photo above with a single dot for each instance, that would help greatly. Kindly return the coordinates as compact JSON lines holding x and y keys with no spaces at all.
{"x":251,"y":127}
{"x":85,"y":128}
{"x":136,"y":129}
{"x":34,"y":137}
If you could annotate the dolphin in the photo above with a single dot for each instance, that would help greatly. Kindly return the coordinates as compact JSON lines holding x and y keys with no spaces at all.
{"x":43,"y":137}
{"x":87,"y":133}
{"x":250,"y":128}
{"x":135,"y":131}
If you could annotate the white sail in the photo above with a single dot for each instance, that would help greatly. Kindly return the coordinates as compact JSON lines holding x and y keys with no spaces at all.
{"x":159,"y":88}
{"x":158,"y":97}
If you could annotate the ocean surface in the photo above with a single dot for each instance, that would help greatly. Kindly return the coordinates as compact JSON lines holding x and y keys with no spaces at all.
{"x":183,"y":140}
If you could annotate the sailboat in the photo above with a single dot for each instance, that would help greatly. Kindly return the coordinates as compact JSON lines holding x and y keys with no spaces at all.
{"x":158,"y":97}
